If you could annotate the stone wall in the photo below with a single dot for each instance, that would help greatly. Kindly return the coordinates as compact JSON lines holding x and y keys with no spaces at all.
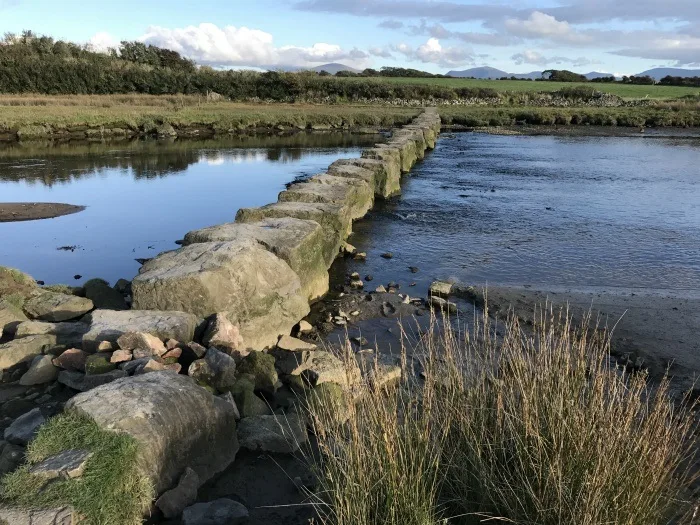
{"x":262,"y":270}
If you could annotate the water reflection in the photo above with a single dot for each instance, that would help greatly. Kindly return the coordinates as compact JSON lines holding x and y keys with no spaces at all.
{"x":141,"y":196}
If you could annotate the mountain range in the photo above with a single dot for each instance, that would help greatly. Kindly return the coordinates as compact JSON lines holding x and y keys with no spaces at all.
{"x":490,"y":72}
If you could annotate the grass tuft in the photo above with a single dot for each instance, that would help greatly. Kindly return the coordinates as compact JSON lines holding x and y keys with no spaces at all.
{"x":111,"y":491}
{"x":532,"y":426}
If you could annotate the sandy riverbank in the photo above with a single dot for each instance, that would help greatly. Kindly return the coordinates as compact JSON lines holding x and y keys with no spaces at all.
{"x":30,"y":211}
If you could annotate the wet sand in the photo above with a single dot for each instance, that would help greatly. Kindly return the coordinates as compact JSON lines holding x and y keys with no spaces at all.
{"x":30,"y":211}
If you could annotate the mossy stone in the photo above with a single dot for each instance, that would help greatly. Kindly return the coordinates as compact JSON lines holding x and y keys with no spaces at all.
{"x":262,"y":367}
{"x":98,"y":364}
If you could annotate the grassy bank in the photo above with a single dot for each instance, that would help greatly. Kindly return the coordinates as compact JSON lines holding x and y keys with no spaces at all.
{"x":36,"y":116}
{"x":628,"y":91}
{"x":660,"y":115}
{"x":531,"y":427}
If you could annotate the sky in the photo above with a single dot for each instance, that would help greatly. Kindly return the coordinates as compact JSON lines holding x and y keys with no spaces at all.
{"x":621,"y":37}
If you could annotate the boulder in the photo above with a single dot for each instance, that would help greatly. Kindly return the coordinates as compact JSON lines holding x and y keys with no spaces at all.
{"x":83,"y":383}
{"x":25,"y":427}
{"x":281,"y":434}
{"x":108,"y":325}
{"x":334,"y":220}
{"x":407,"y":150}
{"x":184,"y":494}
{"x":254,"y":289}
{"x":354,"y":193}
{"x":143,"y":341}
{"x":292,"y":355}
{"x":176,"y":423}
{"x":300,"y":243}
{"x":412,"y":134}
{"x":261,"y":367}
{"x":440,"y":289}
{"x":224,"y":335}
{"x":217,"y":369}
{"x":16,"y":286}
{"x":70,"y":334}
{"x":386,"y":178}
{"x":251,"y":405}
{"x":103,"y":295}
{"x":99,"y":364}
{"x":323,"y":367}
{"x":41,"y":371}
{"x":10,"y":317}
{"x":215,"y":512}
{"x":72,"y":359}
{"x":387,"y":154}
{"x":25,"y":349}
{"x":56,"y":307}
{"x":378,"y":370}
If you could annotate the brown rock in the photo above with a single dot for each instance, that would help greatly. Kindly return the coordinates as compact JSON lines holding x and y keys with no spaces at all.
{"x":175,"y":353}
{"x":72,"y":359}
{"x":121,"y":356}
{"x":141,"y":341}
{"x":224,"y":335}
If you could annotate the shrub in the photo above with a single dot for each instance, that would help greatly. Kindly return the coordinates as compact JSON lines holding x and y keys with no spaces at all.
{"x":530,"y":427}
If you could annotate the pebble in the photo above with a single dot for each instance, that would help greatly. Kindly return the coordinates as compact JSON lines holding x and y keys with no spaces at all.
{"x":387,"y":255}
{"x":355,"y":313}
{"x":369,"y":277}
{"x":380,"y":289}
{"x":361,"y":256}
{"x":414,"y":269}
{"x":354,"y":275}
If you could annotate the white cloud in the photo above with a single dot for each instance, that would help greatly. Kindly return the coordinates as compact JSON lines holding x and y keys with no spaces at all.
{"x":533,"y":57}
{"x":380,"y":52}
{"x":242,"y":46}
{"x":433,"y":52}
{"x":541,"y":25}
{"x":102,"y":42}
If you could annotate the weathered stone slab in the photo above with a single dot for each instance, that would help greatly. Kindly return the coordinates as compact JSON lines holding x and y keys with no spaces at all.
{"x":108,"y":325}
{"x":176,"y":423}
{"x":41,"y":371}
{"x":254,"y":288}
{"x":407,"y":149}
{"x":386,"y":178}
{"x":323,"y":367}
{"x":83,"y":383}
{"x":45,"y":305}
{"x":388,"y":154}
{"x":68,"y":464}
{"x":25,"y":349}
{"x":10,"y":317}
{"x":300,"y":243}
{"x":15,"y":516}
{"x":292,"y":355}
{"x":68,"y":333}
{"x":354,"y":193}
{"x":281,"y":434}
{"x":334,"y":220}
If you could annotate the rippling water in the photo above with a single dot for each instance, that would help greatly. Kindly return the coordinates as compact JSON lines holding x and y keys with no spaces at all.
{"x":603,"y":212}
{"x":142,"y":196}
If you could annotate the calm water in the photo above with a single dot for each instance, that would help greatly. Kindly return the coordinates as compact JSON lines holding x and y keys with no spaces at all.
{"x":142,"y":196}
{"x":580,"y":212}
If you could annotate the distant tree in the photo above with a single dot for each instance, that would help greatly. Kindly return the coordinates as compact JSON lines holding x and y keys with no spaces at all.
{"x":323,"y":73}
{"x":557,"y":75}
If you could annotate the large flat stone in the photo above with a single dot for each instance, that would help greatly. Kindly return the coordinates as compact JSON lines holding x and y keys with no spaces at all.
{"x":60,"y":516}
{"x":25,"y":349}
{"x":68,"y":333}
{"x":334,"y":219}
{"x":300,"y":243}
{"x":386,"y":178}
{"x":407,"y":146}
{"x":254,"y":288}
{"x":356,"y":194}
{"x":10,"y":317}
{"x":45,"y":305}
{"x":108,"y":325}
{"x":281,"y":434}
{"x":176,"y":423}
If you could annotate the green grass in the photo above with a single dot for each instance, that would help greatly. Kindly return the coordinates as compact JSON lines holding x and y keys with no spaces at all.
{"x":111,"y":491}
{"x":629,"y":91}
{"x":530,"y":426}
{"x":146,"y":111}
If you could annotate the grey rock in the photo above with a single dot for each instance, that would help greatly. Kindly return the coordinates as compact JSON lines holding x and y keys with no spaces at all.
{"x":11,"y":457}
{"x":55,"y":307}
{"x":282,"y":434}
{"x":68,"y":464}
{"x":25,"y":427}
{"x":25,"y":349}
{"x":41,"y":371}
{"x":68,"y":333}
{"x":175,"y":500}
{"x":130,"y":367}
{"x":108,"y":325}
{"x":324,"y":367}
{"x":14,"y":408}
{"x":10,"y":317}
{"x":254,"y":289}
{"x":217,"y":512}
{"x":104,"y":296}
{"x":175,"y":422}
{"x":58,"y":516}
{"x":83,"y":383}
{"x":224,"y":335}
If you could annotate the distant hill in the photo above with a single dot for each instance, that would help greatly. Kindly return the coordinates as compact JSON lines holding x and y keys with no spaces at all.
{"x":479,"y":72}
{"x":661,"y":72}
{"x":596,"y":74}
{"x":334,"y":68}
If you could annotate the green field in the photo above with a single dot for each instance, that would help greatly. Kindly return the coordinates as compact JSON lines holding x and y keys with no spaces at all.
{"x":623,"y":90}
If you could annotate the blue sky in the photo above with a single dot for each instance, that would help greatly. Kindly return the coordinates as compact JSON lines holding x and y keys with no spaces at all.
{"x":615,"y":36}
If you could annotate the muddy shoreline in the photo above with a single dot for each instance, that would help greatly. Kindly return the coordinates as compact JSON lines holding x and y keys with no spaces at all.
{"x":31,"y":211}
